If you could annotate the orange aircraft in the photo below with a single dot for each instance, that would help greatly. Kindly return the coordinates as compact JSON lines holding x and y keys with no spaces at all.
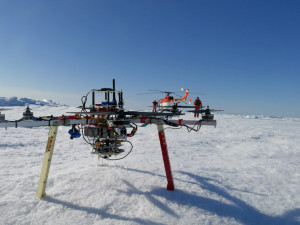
{"x":169,"y":101}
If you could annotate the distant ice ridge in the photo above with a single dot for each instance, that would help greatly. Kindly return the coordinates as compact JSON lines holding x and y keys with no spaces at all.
{"x":256,"y":117}
{"x":19,"y":101}
{"x":260,"y":117}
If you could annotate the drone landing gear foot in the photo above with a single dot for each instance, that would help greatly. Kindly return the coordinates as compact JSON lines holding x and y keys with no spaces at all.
{"x":165,"y":155}
{"x":41,"y":192}
{"x":100,"y":161}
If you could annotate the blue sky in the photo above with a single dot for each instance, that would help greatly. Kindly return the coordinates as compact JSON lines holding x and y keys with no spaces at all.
{"x":243,"y":55}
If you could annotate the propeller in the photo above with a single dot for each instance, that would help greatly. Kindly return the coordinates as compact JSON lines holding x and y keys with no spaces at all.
{"x":204,"y":108}
{"x":178,"y":106}
{"x":170,"y":92}
{"x":165,"y":92}
{"x":153,"y":114}
{"x":156,"y":91}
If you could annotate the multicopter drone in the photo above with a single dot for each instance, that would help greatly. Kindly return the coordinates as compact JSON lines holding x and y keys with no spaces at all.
{"x":106,"y":126}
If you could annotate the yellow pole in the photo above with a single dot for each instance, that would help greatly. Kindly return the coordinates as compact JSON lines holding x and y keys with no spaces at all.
{"x":47,"y":162}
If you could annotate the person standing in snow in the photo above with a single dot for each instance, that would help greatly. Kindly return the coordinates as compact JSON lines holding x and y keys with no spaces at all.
{"x":154,"y":105}
{"x":198,"y":106}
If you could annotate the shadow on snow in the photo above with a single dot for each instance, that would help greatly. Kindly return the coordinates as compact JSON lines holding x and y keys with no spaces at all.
{"x":102,"y":212}
{"x":238,"y":210}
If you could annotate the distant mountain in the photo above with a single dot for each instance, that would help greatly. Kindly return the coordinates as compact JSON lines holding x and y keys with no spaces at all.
{"x":18,"y":101}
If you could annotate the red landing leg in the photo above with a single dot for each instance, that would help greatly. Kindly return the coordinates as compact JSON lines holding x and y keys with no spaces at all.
{"x":164,"y":150}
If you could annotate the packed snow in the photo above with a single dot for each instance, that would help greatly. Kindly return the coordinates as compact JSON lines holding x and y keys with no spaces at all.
{"x":245,"y":171}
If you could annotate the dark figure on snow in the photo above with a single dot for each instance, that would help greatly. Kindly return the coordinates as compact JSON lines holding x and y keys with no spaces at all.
{"x":154,"y":105}
{"x":198,"y":106}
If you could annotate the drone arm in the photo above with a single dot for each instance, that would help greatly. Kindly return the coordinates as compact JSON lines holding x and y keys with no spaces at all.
{"x":179,"y":122}
{"x":41,"y":123}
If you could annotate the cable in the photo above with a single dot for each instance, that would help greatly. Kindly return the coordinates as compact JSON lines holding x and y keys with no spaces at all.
{"x":134,"y":130}
{"x":84,"y":100}
{"x":198,"y":124}
{"x":170,"y":123}
{"x":107,"y":158}
{"x":196,"y":127}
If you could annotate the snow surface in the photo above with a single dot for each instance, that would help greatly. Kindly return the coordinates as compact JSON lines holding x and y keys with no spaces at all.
{"x":245,"y":171}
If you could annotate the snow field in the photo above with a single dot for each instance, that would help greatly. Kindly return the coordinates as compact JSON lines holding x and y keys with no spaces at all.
{"x":245,"y":171}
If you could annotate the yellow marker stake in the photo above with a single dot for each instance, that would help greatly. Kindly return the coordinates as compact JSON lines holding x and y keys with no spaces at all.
{"x":47,"y":162}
